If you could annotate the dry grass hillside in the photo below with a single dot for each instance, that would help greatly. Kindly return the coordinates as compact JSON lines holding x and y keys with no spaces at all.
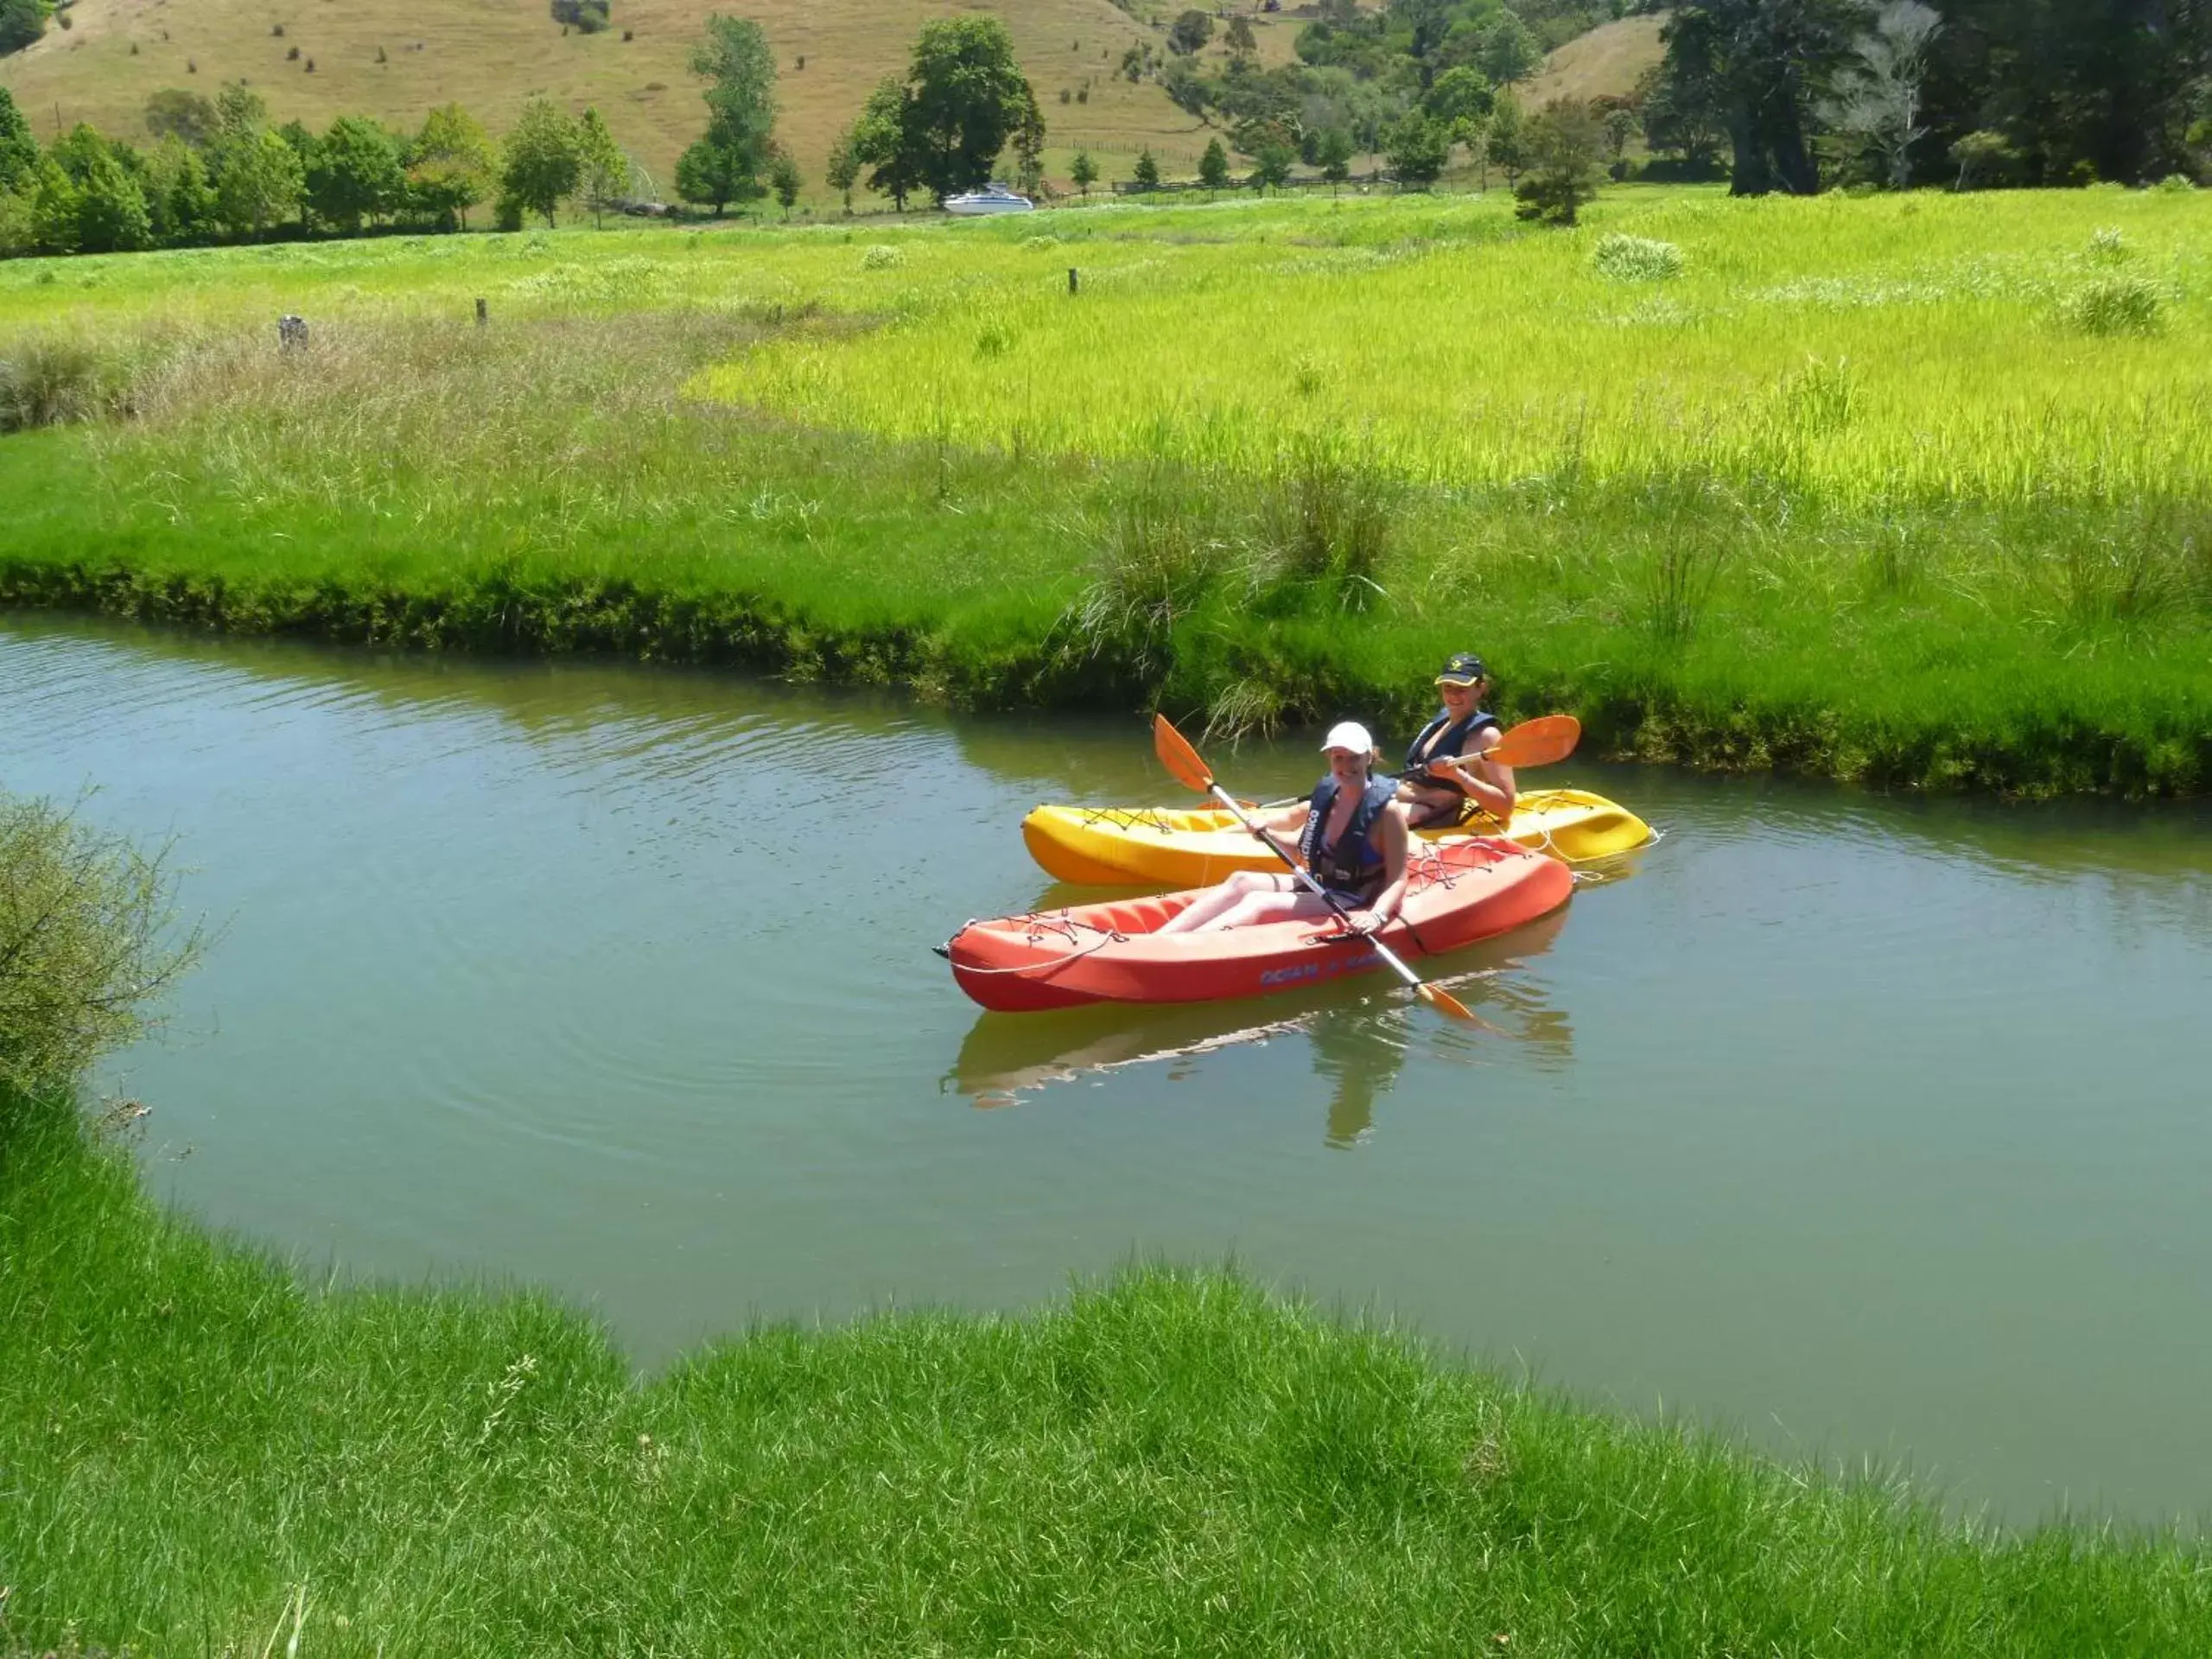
{"x":1606,"y":59}
{"x":396,"y":62}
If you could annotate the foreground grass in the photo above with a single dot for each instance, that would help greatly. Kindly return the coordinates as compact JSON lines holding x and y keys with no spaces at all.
{"x":1847,"y":497}
{"x":197,"y":1450}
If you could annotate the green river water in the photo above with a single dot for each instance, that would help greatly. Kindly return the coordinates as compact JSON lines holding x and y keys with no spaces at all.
{"x":1864,"y":1127}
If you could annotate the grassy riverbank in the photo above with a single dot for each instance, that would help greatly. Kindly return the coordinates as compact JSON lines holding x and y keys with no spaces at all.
{"x":198,"y":1449}
{"x":1869,"y":488}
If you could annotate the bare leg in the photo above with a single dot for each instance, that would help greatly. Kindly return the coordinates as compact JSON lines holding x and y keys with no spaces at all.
{"x":1277,"y":907}
{"x":1202,"y":909}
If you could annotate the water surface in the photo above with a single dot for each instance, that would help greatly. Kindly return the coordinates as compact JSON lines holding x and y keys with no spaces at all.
{"x":1864,"y":1126}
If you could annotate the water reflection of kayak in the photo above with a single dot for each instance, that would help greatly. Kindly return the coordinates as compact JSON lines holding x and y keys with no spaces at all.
{"x":1003,"y":1059}
{"x":1107,"y":845}
{"x":1457,"y":891}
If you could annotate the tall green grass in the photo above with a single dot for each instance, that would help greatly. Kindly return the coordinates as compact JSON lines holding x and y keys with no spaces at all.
{"x":205,"y":1454}
{"x":1851,"y":492}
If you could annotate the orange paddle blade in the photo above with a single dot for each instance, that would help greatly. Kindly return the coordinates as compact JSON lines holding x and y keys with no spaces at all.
{"x":1444,"y":1002}
{"x":1178,"y":756}
{"x":1538,"y":742}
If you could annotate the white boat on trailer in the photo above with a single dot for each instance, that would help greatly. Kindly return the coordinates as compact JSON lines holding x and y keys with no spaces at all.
{"x":993,"y":198}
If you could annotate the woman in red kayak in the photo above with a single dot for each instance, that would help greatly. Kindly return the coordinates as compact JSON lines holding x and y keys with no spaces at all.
{"x":1448,"y":794}
{"x":1351,"y":835}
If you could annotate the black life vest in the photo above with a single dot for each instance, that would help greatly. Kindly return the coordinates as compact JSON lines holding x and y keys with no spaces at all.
{"x":1458,"y":740}
{"x":1353,"y":864}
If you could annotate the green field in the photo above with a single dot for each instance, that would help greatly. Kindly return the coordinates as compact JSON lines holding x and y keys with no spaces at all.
{"x":1909,"y":489}
{"x":201,"y":1453}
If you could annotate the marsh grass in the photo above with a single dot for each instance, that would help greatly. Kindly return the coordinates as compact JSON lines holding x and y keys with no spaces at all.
{"x":206,"y":1453}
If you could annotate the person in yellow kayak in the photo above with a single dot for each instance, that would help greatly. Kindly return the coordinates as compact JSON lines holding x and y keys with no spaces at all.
{"x":1351,"y":835}
{"x":1437,"y":794}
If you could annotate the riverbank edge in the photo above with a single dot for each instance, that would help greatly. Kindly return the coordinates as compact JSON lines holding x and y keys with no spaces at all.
{"x":201,"y":1446}
{"x":1634,"y":714}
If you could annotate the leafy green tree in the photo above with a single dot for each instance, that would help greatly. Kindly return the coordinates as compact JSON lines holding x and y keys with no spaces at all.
{"x":1417,"y":149}
{"x":1213,"y":165}
{"x":1239,"y":38}
{"x":1984,"y":157}
{"x":1760,"y":67}
{"x":1460,"y":98}
{"x":1083,"y":171}
{"x":22,"y":22}
{"x":714,"y":177}
{"x":967,"y":98}
{"x":605,"y":169}
{"x":1504,"y":139}
{"x":18,"y":150}
{"x":1564,"y":142}
{"x":585,"y":16}
{"x":844,"y":169}
{"x":353,"y":173}
{"x":53,"y":210}
{"x":77,"y":151}
{"x":174,"y":112}
{"x":1509,"y":52}
{"x":784,"y":179}
{"x":1029,"y":146}
{"x":1190,"y":31}
{"x":111,"y":216}
{"x":882,"y":141}
{"x":1334,"y":155}
{"x":1145,"y":176}
{"x":18,"y":227}
{"x":240,"y":109}
{"x":542,"y":162}
{"x":179,"y":196}
{"x":1271,"y":166}
{"x":451,"y":166}
{"x":259,"y":181}
{"x":740,"y":69}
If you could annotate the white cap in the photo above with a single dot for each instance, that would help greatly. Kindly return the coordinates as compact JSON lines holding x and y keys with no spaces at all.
{"x":1349,"y":735}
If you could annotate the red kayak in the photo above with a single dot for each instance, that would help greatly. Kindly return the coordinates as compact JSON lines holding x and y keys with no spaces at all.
{"x":1457,"y":891}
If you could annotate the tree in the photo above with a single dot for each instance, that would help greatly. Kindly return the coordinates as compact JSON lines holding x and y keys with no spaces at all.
{"x":881,"y":143}
{"x":1504,"y":140}
{"x":18,"y":150}
{"x":452,"y":166}
{"x":1877,"y":100}
{"x":1417,"y":149}
{"x":1983,"y":155}
{"x":1683,"y":120}
{"x":240,"y":110}
{"x":22,"y":22}
{"x":1564,"y":142}
{"x":1146,"y":175}
{"x":603,"y":169}
{"x":1763,"y":66}
{"x":1213,"y":166}
{"x":1083,"y":171}
{"x":1190,"y":31}
{"x":740,"y":69}
{"x":53,"y":210}
{"x":179,"y":201}
{"x":542,"y":162}
{"x":784,"y":179}
{"x":844,"y":169}
{"x":111,"y":216}
{"x":259,"y":181}
{"x":1334,"y":154}
{"x":175,"y":113}
{"x":1029,"y":145}
{"x":966,"y":98}
{"x":1271,"y":166}
{"x":1239,"y":38}
{"x":585,"y":16}
{"x":1509,"y":52}
{"x":353,"y":173}
{"x":1459,"y":97}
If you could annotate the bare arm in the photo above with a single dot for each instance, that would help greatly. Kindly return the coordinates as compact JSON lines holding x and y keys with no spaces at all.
{"x":1390,"y":838}
{"x":1490,"y":784}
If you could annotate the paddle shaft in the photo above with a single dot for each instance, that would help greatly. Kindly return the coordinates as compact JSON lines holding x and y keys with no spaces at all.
{"x":1327,"y":898}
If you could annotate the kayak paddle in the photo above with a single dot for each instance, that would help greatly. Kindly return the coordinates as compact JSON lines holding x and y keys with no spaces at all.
{"x":1190,"y":770}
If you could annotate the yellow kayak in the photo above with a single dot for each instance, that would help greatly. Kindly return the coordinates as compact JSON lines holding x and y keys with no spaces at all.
{"x":1108,"y":846}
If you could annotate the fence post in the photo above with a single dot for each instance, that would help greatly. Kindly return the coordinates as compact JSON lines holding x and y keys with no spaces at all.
{"x":291,"y":332}
{"x":1071,"y":279}
{"x":483,"y":314}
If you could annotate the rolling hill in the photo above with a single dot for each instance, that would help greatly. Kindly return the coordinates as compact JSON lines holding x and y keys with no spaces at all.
{"x":396,"y":61}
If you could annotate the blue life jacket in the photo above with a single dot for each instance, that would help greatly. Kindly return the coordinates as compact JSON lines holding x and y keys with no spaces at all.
{"x":1458,"y":740}
{"x":1354,"y":864}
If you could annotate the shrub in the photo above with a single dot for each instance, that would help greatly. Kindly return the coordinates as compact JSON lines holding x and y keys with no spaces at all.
{"x":587,"y":16}
{"x":1622,"y":258}
{"x":84,"y":924}
{"x":2108,"y":245}
{"x":882,"y":256}
{"x":52,"y":379}
{"x":2114,"y":305}
{"x":2176,"y":184}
